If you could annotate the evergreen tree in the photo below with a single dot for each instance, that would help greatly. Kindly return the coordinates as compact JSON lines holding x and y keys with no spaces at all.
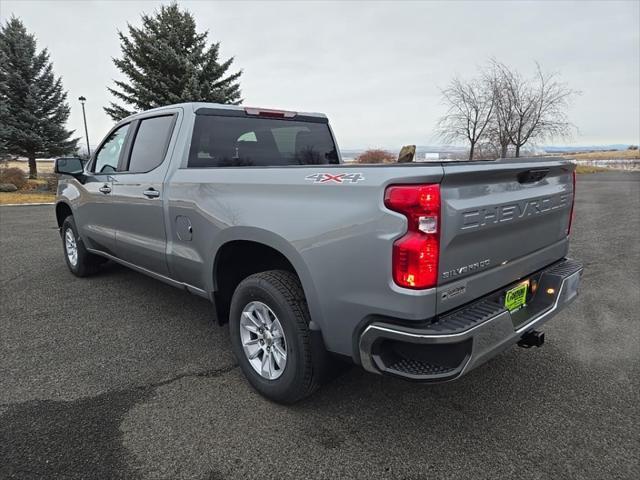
{"x":33,"y":110}
{"x":167,"y":61}
{"x":4,"y":131}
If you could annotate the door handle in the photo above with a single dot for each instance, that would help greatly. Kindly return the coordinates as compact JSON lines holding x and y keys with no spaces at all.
{"x":105,"y":189}
{"x":151,"y":193}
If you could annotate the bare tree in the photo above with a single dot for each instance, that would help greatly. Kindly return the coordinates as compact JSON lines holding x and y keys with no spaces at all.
{"x":500,"y":127}
{"x":488,"y":148}
{"x":528,"y":109}
{"x":470,"y":109}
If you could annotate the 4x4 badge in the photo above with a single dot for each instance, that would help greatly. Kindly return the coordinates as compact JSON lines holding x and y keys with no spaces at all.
{"x":334,"y":177}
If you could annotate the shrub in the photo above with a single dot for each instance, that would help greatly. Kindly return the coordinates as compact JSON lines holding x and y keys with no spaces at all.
{"x":376,"y":156}
{"x":13,"y":175}
{"x":52,"y":183}
{"x":633,"y":147}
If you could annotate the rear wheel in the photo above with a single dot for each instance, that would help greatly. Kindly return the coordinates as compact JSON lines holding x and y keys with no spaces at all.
{"x":79,"y":260}
{"x":263,"y":340}
{"x":270,"y":336}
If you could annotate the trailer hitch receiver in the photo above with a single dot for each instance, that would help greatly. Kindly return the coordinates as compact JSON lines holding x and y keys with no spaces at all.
{"x":532,"y":338}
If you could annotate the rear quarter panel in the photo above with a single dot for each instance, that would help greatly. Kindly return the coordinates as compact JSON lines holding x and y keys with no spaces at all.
{"x":338,"y":236}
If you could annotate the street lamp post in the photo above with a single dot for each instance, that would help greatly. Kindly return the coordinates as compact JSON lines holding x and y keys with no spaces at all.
{"x":86,"y":131}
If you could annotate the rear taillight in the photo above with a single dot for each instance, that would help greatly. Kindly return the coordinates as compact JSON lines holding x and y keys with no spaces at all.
{"x":415,"y":254}
{"x":573,"y":202}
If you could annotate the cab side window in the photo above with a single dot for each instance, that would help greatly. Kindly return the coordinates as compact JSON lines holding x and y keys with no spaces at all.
{"x":150,"y":144}
{"x":109,"y":154}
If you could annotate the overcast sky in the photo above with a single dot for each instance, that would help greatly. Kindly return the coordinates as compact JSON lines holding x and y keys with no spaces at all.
{"x":374,"y":67}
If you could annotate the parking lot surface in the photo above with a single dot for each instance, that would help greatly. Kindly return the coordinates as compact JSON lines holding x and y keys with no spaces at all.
{"x":120,"y":376}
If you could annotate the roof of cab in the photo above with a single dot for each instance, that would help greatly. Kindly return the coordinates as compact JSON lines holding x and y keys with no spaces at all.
{"x":193,"y":106}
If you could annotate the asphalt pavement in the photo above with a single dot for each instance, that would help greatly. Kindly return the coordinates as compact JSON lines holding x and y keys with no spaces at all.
{"x":120,"y":376}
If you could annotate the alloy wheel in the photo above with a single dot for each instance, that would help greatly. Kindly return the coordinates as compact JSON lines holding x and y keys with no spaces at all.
{"x":71,"y":247}
{"x":263,"y":340}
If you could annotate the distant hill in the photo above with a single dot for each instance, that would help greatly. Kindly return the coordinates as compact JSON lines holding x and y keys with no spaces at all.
{"x":456,"y":149}
{"x":597,"y":155}
{"x":585,"y":148}
{"x":420,"y":150}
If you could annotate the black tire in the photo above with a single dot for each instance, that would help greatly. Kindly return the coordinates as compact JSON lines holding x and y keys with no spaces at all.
{"x":87,"y":263}
{"x":282,"y":293}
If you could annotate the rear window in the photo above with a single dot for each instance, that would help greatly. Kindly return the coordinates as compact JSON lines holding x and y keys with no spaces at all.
{"x":223,"y":141}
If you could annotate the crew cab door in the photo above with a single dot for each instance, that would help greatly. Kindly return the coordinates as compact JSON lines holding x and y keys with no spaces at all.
{"x":96,"y":214}
{"x":138,"y":193}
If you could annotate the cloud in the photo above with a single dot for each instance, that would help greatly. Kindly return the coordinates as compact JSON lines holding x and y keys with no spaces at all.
{"x":374,"y":67}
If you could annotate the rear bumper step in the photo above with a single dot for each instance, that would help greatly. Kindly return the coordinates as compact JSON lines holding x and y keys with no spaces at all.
{"x":461,"y":340}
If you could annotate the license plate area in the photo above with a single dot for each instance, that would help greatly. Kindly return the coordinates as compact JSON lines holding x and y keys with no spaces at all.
{"x":516,"y":297}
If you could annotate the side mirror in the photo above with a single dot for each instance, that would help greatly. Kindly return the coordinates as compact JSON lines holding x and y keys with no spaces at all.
{"x":69,"y":166}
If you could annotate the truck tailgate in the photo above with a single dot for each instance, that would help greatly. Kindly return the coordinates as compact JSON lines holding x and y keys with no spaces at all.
{"x":500,"y":222}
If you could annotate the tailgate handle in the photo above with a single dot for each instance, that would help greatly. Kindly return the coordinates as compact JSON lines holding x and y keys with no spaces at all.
{"x":531,"y":176}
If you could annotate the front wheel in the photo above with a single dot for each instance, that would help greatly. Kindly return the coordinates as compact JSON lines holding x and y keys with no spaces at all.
{"x":270,"y":337}
{"x":79,"y":260}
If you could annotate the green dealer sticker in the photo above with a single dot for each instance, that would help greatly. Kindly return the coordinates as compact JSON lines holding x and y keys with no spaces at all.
{"x":516,"y":297}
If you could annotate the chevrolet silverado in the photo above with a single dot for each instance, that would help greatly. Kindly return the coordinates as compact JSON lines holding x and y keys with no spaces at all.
{"x":422,"y":271}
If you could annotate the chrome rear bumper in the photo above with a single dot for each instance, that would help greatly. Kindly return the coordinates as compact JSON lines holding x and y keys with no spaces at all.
{"x":459,"y":341}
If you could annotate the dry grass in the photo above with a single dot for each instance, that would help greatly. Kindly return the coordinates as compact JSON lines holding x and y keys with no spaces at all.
{"x":610,"y":155}
{"x":26,"y":197}
{"x":34,"y":184}
{"x":43,"y":166}
{"x":589,"y":169}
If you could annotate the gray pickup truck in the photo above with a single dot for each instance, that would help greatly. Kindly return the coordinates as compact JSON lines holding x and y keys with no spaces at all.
{"x":418,"y":270}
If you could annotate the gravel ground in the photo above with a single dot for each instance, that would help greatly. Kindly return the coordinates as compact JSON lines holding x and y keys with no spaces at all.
{"x":120,"y":376}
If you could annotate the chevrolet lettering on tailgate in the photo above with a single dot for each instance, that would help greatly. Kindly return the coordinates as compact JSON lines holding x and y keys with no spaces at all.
{"x":478,"y":218}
